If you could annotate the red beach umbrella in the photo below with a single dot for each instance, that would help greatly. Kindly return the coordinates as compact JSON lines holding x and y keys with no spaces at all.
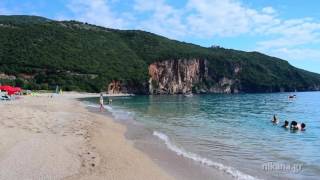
{"x":17,"y":89}
{"x":11,"y":90}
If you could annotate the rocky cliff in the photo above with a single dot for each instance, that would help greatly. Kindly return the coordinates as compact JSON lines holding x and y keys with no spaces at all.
{"x":187,"y":75}
{"x":176,"y":76}
{"x":115,"y":87}
{"x":118,"y":87}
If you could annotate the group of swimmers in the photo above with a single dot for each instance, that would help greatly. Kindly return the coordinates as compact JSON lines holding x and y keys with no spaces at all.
{"x":293,"y":125}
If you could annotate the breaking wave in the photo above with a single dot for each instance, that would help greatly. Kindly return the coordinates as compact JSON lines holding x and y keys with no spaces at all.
{"x":181,"y":152}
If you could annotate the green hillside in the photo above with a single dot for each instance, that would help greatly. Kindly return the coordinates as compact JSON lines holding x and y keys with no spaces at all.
{"x":42,"y":53}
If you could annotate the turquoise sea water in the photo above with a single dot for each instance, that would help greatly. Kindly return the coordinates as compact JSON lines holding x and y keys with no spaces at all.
{"x":233,"y":133}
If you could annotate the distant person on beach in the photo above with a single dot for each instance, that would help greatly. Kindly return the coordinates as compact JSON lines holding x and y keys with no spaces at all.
{"x":110,"y":101}
{"x":286,"y":124}
{"x":275,"y":120}
{"x":101,"y":102}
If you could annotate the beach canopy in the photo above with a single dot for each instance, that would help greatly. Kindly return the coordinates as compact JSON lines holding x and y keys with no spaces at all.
{"x":11,"y":90}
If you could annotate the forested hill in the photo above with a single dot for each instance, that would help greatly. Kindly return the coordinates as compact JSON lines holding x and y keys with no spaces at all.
{"x":39,"y":53}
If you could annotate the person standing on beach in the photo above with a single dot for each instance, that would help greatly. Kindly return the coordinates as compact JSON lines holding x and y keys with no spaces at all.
{"x":101,"y":102}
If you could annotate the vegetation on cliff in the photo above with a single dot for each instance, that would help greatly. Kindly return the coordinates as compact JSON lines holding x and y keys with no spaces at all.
{"x":43,"y":53}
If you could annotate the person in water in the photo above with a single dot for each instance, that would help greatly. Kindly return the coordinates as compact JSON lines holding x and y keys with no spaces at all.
{"x":286,"y":124}
{"x":292,"y":96}
{"x":294,"y":125}
{"x":301,"y":127}
{"x":101,"y":102}
{"x":275,"y":120}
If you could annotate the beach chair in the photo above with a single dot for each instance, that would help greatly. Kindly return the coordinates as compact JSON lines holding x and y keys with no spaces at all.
{"x":4,"y":96}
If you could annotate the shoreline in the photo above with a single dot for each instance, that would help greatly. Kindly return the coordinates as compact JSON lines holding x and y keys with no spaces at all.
{"x":177,"y":165}
{"x":58,"y":138}
{"x":168,"y":135}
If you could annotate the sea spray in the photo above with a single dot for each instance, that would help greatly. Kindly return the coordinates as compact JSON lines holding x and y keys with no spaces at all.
{"x":181,"y":152}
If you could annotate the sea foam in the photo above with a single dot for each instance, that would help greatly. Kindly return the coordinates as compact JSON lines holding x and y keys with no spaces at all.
{"x":116,"y":113}
{"x":181,"y":152}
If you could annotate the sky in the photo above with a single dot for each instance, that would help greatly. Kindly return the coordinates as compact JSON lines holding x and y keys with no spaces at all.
{"x":288,"y":29}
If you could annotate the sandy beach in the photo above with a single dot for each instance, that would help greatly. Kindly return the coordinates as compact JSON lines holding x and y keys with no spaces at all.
{"x":58,"y":138}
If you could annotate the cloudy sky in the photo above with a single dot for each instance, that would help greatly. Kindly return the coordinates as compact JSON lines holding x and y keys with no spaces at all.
{"x":289,"y":29}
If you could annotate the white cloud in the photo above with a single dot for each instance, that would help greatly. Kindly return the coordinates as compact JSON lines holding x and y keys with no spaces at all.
{"x":228,"y":18}
{"x":218,"y":18}
{"x":96,"y":12}
{"x":204,"y":18}
{"x":163,"y":19}
{"x":145,"y":5}
{"x":291,"y":39}
{"x":268,"y":10}
{"x":296,"y":54}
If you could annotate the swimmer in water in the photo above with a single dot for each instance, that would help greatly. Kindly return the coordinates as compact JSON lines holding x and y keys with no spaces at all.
{"x":301,"y":127}
{"x":294,"y":125}
{"x":275,"y":120}
{"x":286,"y":124}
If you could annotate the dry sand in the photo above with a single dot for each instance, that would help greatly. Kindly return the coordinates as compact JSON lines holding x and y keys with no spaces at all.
{"x":58,"y":138}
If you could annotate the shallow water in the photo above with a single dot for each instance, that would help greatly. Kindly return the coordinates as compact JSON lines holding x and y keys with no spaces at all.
{"x":233,"y":133}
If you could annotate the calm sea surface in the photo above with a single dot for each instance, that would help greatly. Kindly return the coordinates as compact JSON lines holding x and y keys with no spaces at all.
{"x":233,"y":133}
